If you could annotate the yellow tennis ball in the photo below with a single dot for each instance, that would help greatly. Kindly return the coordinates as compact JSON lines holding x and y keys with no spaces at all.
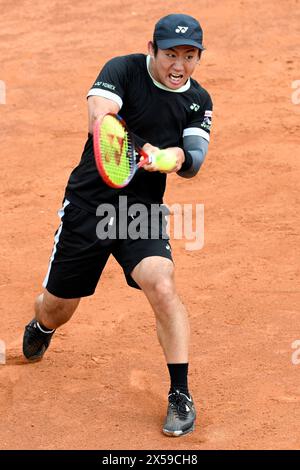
{"x":165,"y":161}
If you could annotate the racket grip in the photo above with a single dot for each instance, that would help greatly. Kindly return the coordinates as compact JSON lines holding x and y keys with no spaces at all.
{"x":151,"y":159}
{"x":147,"y":160}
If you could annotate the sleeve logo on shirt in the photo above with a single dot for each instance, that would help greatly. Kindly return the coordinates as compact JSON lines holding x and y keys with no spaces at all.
{"x":105,"y":85}
{"x":194,"y":107}
{"x":206,"y":123}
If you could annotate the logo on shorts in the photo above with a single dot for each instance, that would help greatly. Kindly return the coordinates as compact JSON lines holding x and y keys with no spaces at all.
{"x":168,"y":247}
{"x":181,"y":29}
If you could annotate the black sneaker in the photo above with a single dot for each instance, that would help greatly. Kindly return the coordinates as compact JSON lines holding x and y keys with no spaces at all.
{"x":181,"y":415}
{"x":35,"y":341}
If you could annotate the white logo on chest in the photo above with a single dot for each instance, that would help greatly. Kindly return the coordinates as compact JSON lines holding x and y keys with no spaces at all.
{"x":194,"y":107}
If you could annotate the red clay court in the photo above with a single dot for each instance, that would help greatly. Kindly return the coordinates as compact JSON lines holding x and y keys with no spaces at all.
{"x":103,"y":382}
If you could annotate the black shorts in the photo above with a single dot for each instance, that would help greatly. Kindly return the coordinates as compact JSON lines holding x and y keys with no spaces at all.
{"x":79,"y":255}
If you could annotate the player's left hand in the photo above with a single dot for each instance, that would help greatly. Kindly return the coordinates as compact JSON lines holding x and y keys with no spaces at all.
{"x":180,"y":157}
{"x":179,"y":153}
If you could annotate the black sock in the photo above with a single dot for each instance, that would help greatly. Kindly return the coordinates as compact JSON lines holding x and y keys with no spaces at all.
{"x":178,"y":376}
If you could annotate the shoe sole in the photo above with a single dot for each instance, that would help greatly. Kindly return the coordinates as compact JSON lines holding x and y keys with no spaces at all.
{"x":178,"y":433}
{"x":36,"y":357}
{"x":33,"y":359}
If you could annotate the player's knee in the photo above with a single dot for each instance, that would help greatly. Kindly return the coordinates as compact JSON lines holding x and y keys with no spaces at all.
{"x":163,"y":289}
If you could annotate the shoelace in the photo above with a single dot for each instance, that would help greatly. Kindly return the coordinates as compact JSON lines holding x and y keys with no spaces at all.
{"x":178,"y":403}
{"x":32,"y":328}
{"x":35,"y":333}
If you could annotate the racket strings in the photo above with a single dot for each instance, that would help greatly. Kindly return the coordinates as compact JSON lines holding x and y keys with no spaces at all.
{"x":117,"y":151}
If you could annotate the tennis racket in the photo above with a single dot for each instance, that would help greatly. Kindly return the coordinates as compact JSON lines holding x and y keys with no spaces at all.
{"x":116,"y":155}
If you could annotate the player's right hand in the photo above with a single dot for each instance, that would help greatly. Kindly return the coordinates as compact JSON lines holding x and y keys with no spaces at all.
{"x":150,"y":150}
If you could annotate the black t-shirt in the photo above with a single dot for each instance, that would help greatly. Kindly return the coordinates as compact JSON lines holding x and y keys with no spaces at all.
{"x":151,"y":111}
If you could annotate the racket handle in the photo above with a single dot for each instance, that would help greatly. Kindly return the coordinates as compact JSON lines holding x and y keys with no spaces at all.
{"x":147,"y":159}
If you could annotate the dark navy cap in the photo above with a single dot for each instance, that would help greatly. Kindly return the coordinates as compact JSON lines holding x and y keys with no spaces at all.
{"x":178,"y":30}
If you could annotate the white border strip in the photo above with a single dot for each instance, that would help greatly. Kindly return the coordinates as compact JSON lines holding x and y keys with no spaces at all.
{"x":106,"y":94}
{"x":2,"y":92}
{"x":61,"y":213}
{"x":195,"y":131}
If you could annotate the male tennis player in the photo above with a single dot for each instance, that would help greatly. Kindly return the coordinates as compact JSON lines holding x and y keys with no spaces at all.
{"x":166,"y":109}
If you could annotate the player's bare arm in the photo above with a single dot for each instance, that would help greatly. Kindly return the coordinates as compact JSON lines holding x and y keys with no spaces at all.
{"x":99,"y":106}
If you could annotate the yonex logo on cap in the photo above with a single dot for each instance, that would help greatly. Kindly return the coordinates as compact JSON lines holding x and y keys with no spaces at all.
{"x":181,"y":29}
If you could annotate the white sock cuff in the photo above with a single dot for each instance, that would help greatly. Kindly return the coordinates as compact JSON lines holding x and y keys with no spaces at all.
{"x":43,"y":331}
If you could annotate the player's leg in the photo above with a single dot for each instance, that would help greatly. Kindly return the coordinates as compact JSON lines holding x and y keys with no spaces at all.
{"x":77,"y":260}
{"x":155,"y":275}
{"x":148,"y":265}
{"x":50,"y":313}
